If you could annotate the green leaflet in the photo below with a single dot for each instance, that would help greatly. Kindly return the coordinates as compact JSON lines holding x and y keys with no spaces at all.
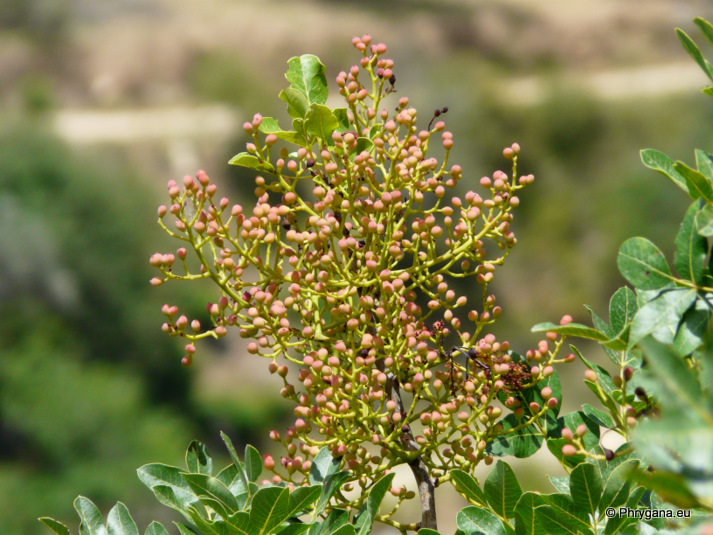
{"x":270,"y":508}
{"x":571,"y":329}
{"x":522,"y":443}
{"x":658,"y":161}
{"x":253,"y":463}
{"x":661,"y":316}
{"x":366,"y":515}
{"x":217,"y":492}
{"x":694,"y":51}
{"x":297,"y":103}
{"x":502,"y":490}
{"x":586,"y":487}
{"x":475,"y":520}
{"x":643,"y":264}
{"x":270,"y":126}
{"x":323,"y":466}
{"x":155,"y":528}
{"x":622,"y":309}
{"x":92,"y":522}
{"x":197,"y":458}
{"x":306,"y":75}
{"x":55,"y":526}
{"x":157,"y":475}
{"x":119,"y":521}
{"x":704,"y":221}
{"x":705,"y":27}
{"x":691,"y":248}
{"x":699,"y":185}
{"x":244,"y":159}
{"x":321,"y":122}
{"x":467,"y":486}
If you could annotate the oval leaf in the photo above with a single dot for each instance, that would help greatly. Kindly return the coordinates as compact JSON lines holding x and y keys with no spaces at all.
{"x":253,"y":463}
{"x":525,"y":514}
{"x":662,"y":316}
{"x":323,"y":465}
{"x":502,"y":489}
{"x":474,"y":520}
{"x":306,"y":75}
{"x":553,"y":521}
{"x":369,"y":510}
{"x":270,"y":508}
{"x":251,"y":162}
{"x":303,"y":497}
{"x":691,"y":248}
{"x":92,"y":522}
{"x":692,"y":330}
{"x":658,"y":161}
{"x":243,"y":484}
{"x":617,"y":486}
{"x":704,"y":163}
{"x":586,"y":487}
{"x":197,"y":458}
{"x":622,"y":309}
{"x":599,"y":416}
{"x":643,"y":264}
{"x":571,"y":329}
{"x":156,"y":528}
{"x":467,"y":486}
{"x":161,"y":475}
{"x":704,"y":221}
{"x":119,"y":521}
{"x":331,"y":485}
{"x":521,"y":443}
{"x":297,"y":104}
{"x":55,"y":526}
{"x":321,"y":122}
{"x":699,"y":185}
{"x":693,"y":50}
{"x":205,"y":485}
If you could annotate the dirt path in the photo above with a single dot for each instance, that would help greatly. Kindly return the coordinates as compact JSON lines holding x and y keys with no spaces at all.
{"x":621,"y":84}
{"x":87,"y":126}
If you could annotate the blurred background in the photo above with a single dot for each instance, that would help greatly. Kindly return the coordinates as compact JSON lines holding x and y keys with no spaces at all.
{"x":103,"y":101}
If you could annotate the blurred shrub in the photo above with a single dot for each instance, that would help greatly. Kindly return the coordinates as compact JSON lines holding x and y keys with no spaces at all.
{"x":222,"y":76}
{"x":43,"y":20}
{"x":82,"y":359}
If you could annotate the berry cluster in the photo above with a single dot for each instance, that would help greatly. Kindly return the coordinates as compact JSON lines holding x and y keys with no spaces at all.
{"x":344,"y":274}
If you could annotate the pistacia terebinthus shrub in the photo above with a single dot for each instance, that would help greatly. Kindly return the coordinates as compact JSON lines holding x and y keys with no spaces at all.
{"x":348,"y":274}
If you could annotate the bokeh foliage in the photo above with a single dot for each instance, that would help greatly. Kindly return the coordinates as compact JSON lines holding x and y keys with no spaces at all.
{"x":82,"y":362}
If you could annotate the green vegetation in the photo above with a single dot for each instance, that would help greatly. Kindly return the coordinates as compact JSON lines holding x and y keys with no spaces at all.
{"x":347,"y":280}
